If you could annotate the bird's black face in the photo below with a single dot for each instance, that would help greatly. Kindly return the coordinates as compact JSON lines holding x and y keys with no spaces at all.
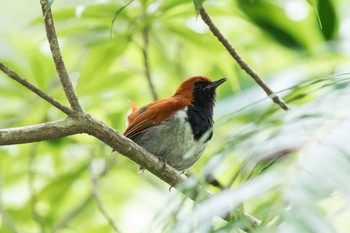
{"x":204,"y":93}
{"x":203,"y":97}
{"x":200,"y":112}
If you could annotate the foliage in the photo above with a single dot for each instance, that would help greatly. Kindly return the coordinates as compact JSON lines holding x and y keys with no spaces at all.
{"x":299,"y":49}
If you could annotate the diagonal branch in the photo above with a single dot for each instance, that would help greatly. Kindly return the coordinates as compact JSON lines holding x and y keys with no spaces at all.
{"x":12,"y":74}
{"x":40,"y":132}
{"x":243,"y":64}
{"x":84,"y":123}
{"x":57,"y":58}
{"x":72,"y":213}
{"x":130,"y":149}
{"x":7,"y":220}
{"x":147,"y":160}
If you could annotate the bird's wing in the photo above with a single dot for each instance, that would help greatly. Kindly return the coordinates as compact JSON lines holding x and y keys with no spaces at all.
{"x":153,"y":114}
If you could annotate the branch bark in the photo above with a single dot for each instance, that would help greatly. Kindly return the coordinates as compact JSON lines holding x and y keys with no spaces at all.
{"x":241,"y":62}
{"x":40,"y":132}
{"x":130,"y":149}
{"x":84,"y":123}
{"x":57,"y":57}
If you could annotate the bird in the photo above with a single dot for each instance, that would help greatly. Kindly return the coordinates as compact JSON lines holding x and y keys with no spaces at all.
{"x":176,"y":129}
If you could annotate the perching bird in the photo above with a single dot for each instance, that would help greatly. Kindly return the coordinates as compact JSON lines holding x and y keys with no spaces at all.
{"x":172,"y":128}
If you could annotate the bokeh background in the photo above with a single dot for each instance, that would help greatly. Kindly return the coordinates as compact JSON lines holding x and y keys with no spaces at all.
{"x":301,"y":48}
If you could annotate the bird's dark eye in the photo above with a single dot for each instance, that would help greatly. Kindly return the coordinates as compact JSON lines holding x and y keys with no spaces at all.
{"x":197,"y":86}
{"x":200,"y":85}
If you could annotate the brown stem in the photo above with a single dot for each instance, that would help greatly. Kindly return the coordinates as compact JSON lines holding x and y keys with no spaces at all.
{"x":243,"y":64}
{"x":57,"y":58}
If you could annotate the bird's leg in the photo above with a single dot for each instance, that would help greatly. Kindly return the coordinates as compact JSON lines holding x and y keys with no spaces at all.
{"x":162,"y":160}
{"x":183,"y":172}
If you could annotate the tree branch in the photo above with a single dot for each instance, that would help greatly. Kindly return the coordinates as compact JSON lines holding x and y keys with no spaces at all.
{"x":147,"y":160}
{"x":243,"y":64}
{"x":57,"y":57}
{"x":84,"y":123}
{"x":131,"y":150}
{"x":40,"y":132}
{"x":12,"y":74}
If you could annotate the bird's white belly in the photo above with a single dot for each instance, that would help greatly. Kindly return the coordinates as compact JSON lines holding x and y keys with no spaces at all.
{"x":173,"y":141}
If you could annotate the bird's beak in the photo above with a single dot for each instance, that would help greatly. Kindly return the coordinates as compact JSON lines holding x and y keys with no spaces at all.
{"x":215,"y":84}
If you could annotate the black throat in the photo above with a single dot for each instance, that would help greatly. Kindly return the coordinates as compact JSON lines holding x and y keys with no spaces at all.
{"x":200,"y":113}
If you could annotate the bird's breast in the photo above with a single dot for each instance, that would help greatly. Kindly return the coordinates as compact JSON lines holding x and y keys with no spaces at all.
{"x":173,"y":140}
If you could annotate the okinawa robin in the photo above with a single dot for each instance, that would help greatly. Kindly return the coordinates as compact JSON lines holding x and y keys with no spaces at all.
{"x":172,"y":128}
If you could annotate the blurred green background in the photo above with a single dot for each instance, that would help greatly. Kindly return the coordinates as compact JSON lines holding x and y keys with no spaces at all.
{"x":301,"y":48}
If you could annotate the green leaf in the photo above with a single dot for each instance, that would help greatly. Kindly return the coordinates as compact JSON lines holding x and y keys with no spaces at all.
{"x":272,"y":19}
{"x":328,"y":18}
{"x":313,"y":4}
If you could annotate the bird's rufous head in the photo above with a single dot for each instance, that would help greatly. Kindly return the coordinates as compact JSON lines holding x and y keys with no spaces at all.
{"x":198,"y":85}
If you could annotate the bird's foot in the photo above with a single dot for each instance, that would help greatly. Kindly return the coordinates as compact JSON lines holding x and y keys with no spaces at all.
{"x":163,"y":161}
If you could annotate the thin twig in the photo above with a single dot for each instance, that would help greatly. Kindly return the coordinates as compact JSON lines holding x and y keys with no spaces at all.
{"x":79,"y":207}
{"x":33,"y":200}
{"x":12,"y":74}
{"x":71,"y":214}
{"x":57,"y":58}
{"x":145,"y":38}
{"x":6,"y":218}
{"x":99,"y":203}
{"x":243,"y":64}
